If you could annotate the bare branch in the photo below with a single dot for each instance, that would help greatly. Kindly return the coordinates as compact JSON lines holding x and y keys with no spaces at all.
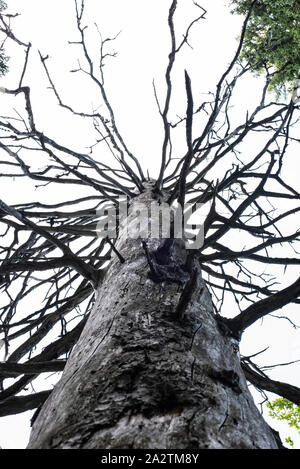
{"x":292,"y":393}
{"x":18,"y":404}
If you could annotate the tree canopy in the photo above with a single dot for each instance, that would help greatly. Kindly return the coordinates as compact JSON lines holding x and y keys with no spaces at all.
{"x":272,"y":39}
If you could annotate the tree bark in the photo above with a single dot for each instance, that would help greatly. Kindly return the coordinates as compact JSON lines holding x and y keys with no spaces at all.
{"x":142,"y":376}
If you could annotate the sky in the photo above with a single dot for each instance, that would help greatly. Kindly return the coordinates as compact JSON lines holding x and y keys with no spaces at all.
{"x":142,"y":47}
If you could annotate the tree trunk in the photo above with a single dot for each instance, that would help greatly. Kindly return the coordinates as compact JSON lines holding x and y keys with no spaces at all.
{"x":140,"y":377}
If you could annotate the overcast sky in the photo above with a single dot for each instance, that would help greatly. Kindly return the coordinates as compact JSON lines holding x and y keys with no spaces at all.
{"x":142,"y":47}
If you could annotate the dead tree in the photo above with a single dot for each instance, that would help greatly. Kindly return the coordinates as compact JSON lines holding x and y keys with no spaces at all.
{"x":139,"y":324}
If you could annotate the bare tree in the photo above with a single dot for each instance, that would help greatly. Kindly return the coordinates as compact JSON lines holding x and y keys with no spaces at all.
{"x":139,"y":324}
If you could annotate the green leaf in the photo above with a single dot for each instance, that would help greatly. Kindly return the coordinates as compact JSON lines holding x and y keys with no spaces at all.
{"x":282,"y":409}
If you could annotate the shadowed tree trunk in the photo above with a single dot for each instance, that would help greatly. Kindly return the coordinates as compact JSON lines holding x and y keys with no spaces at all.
{"x":142,"y":376}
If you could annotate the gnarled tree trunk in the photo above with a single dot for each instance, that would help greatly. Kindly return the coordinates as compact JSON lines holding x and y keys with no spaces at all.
{"x":142,"y":377}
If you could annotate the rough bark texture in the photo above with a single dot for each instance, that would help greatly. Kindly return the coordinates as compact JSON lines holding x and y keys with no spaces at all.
{"x":141,"y":378}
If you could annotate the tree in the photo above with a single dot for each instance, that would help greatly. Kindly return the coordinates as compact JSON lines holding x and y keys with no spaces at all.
{"x":141,"y":313}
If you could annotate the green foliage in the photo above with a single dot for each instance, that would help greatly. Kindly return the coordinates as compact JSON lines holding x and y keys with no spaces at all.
{"x":282,"y":409}
{"x":3,"y":58}
{"x":272,"y":39}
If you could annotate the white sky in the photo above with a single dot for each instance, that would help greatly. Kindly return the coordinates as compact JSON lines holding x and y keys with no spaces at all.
{"x":142,"y":47}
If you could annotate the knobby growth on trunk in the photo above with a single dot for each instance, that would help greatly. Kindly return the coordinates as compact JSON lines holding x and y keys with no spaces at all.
{"x":156,"y":360}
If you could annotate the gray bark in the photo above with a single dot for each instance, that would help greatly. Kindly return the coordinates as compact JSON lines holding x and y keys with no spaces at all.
{"x":141,"y":378}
